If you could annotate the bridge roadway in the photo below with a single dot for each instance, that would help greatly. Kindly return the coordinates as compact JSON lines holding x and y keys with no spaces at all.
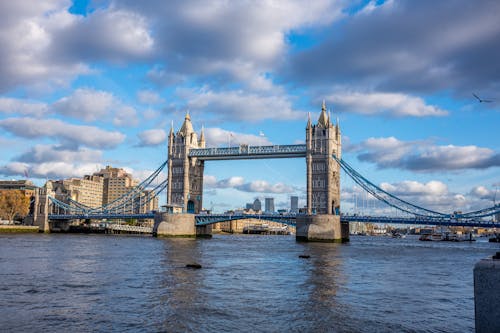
{"x":243,"y":152}
{"x":206,"y":219}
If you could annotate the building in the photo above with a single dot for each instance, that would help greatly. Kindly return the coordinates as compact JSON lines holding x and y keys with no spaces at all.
{"x":269,"y":205}
{"x":25,"y":186}
{"x":257,"y":206}
{"x":87,"y":190}
{"x":294,"y":204}
{"x":117,"y":182}
{"x":145,"y":202}
{"x":102,"y":188}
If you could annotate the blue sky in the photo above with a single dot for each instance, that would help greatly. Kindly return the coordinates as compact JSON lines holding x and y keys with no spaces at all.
{"x":86,"y":84}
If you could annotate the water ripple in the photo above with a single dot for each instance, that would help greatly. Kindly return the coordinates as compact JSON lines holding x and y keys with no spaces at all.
{"x":101,"y":283}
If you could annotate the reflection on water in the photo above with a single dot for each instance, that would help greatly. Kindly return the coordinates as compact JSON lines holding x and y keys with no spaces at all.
{"x":89,"y":283}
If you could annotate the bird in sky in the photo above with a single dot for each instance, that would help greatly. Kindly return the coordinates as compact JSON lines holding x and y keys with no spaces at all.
{"x":482,"y":100}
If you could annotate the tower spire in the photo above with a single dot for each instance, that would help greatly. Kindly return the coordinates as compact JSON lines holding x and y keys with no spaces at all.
{"x":323,"y":118}
{"x":187,"y":127}
{"x":201,"y":141}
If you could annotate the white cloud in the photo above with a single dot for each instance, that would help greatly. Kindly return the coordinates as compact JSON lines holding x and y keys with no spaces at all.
{"x":209,"y":180}
{"x":27,"y":40}
{"x":86,"y":104}
{"x":149,"y":97}
{"x":230,"y":182}
{"x":433,"y":195}
{"x":411,"y":187}
{"x":152,"y":137}
{"x":238,"y":183}
{"x":262,"y":186}
{"x":69,"y":134}
{"x":392,"y":104}
{"x":44,"y":45}
{"x":482,"y":192}
{"x":368,"y":51}
{"x":125,"y":116}
{"x":54,"y":153}
{"x":215,"y":136}
{"x":54,"y":170}
{"x":239,"y":105}
{"x":58,"y":170}
{"x":424,"y":156}
{"x":22,"y":107}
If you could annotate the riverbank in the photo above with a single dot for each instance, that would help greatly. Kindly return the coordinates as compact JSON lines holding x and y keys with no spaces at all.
{"x":18,"y":228}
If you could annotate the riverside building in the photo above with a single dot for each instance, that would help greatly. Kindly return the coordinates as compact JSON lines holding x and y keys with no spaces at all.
{"x":101,"y":188}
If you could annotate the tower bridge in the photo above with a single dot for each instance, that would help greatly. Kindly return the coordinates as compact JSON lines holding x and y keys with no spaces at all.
{"x":187,"y":154}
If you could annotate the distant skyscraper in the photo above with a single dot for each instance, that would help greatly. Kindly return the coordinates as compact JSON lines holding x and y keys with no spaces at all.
{"x":257,"y":206}
{"x":294,"y":204}
{"x":269,"y":205}
{"x":249,"y":206}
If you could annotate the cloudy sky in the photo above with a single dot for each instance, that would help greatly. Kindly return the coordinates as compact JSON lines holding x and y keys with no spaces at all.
{"x":86,"y":84}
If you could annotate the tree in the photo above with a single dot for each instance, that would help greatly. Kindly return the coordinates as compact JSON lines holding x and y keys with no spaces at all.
{"x":13,"y":203}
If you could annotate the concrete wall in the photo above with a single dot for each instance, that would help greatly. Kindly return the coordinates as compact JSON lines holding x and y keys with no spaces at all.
{"x":174,"y":225}
{"x":321,"y":228}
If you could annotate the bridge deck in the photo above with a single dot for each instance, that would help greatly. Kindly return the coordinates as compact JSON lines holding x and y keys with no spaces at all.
{"x":249,"y":152}
{"x":204,"y":219}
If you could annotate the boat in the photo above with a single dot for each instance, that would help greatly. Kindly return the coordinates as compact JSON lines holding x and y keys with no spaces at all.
{"x":495,"y":239}
{"x":447,"y":237}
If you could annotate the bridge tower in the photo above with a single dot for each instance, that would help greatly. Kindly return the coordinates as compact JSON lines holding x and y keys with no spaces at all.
{"x":322,"y":222}
{"x":323,"y":174}
{"x":41,"y":209}
{"x":185,"y":174}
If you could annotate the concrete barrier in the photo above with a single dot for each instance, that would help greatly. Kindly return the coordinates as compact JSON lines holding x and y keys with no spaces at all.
{"x":487,"y":294}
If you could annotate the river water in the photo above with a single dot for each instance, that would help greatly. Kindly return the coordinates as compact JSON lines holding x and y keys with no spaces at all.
{"x":248,"y":283}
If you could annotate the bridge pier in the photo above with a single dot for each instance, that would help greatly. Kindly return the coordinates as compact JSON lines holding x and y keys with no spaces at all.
{"x":179,"y":225}
{"x":41,"y":210}
{"x":321,"y":228}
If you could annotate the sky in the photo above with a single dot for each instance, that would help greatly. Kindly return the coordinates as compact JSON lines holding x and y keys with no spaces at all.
{"x":415,"y":86}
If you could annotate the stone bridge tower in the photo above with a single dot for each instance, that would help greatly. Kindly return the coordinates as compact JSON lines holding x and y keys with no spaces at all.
{"x":323,"y":174}
{"x":322,"y":222}
{"x":185,"y":174}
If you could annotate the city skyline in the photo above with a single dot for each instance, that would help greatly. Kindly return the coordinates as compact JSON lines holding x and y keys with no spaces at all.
{"x":88,"y":84}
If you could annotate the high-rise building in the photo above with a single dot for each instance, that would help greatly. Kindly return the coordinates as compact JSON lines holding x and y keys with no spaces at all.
{"x":117,"y":182}
{"x":294,"y":204}
{"x":269,"y":205}
{"x":257,"y":206}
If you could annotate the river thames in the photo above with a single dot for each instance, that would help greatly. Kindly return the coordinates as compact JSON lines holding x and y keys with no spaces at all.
{"x":103,"y":283}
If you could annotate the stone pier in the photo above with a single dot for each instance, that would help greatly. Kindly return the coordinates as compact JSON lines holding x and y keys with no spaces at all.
{"x":174,"y":225}
{"x":321,"y":228}
{"x":179,"y":225}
